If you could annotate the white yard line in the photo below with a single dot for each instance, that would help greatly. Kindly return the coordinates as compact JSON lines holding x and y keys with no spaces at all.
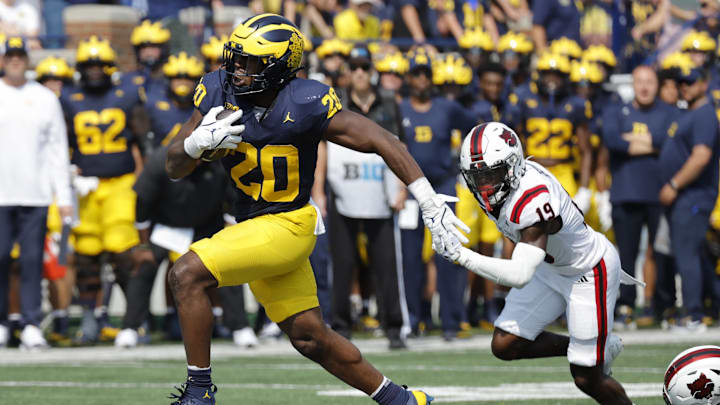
{"x":225,"y":350}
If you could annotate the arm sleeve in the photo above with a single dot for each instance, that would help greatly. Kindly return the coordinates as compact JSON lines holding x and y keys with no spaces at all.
{"x":515,"y":272}
{"x":59,"y":157}
{"x":612,"y":138}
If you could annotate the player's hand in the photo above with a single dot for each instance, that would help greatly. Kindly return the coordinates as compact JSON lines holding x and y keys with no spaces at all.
{"x":84,"y":185}
{"x":582,"y":199}
{"x":667,"y":195}
{"x":214,"y":134}
{"x":446,"y":245}
{"x":604,"y":210}
{"x":441,"y":220}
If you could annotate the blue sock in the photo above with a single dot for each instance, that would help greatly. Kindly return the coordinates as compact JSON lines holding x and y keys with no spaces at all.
{"x":198,"y":381}
{"x":391,"y":394}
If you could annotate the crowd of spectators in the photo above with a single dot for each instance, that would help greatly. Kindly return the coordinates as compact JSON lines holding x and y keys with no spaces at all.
{"x":645,"y":163}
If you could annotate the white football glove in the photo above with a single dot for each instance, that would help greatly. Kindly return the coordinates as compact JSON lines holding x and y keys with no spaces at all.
{"x":441,"y":220}
{"x":84,"y":185}
{"x":582,"y":199}
{"x":446,"y":245}
{"x":602,"y":199}
{"x":214,"y":134}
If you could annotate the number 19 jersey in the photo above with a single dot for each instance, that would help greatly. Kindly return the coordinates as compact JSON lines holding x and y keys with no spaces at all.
{"x":273,"y":168}
{"x":575,"y":248}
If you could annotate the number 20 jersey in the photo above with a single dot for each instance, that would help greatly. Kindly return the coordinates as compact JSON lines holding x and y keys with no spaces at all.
{"x":273,"y":168}
{"x":98,"y":130}
{"x":572,"y":250}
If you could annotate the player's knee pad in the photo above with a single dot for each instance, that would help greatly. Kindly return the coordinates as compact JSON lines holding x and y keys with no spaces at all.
{"x":88,"y":273}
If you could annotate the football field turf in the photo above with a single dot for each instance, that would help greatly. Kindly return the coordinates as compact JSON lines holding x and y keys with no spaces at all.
{"x":463,"y":372}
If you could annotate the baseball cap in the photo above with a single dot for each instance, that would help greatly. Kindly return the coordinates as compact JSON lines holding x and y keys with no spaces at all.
{"x":16,"y":45}
{"x":359,"y":54}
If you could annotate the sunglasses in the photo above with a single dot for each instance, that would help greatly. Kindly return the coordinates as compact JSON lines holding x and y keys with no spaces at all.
{"x":364,"y":66}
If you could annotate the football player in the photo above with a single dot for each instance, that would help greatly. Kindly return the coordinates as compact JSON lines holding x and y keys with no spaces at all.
{"x":152,"y":43}
{"x":553,"y":123}
{"x":428,"y":122}
{"x":271,"y":142}
{"x":170,"y":109}
{"x":559,"y":265}
{"x":515,"y":51}
{"x":107,"y":156}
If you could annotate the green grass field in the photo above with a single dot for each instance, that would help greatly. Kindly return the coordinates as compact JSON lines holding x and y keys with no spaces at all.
{"x":461,"y":374}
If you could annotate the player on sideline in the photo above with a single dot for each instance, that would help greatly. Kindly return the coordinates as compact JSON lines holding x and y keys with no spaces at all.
{"x":272,"y":163}
{"x":559,"y":265}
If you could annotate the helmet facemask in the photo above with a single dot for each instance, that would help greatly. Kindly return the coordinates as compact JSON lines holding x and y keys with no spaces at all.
{"x":490,"y":184}
{"x":265,"y":72}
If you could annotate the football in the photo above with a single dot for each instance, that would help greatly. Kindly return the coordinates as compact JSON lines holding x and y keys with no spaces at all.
{"x":212,"y":155}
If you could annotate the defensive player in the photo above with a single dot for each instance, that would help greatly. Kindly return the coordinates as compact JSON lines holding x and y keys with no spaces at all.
{"x":272,"y":162}
{"x":106,"y":152}
{"x":559,"y":265}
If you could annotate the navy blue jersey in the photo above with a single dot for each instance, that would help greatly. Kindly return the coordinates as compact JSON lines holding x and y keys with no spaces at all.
{"x":635,"y":178}
{"x":98,"y":130}
{"x":485,"y":111}
{"x":166,"y":118}
{"x":548,"y":129}
{"x":428,"y":135}
{"x":142,"y":83}
{"x":516,"y":94}
{"x":694,"y":127}
{"x":273,"y":168}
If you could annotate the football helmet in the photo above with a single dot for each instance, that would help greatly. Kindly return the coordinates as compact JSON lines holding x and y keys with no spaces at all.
{"x":476,"y":38}
{"x":693,"y":377}
{"x":566,"y":47}
{"x":272,"y":45}
{"x":150,"y":34}
{"x":452,"y":69}
{"x":182,"y":66}
{"x":333,"y":46}
{"x":585,"y":72}
{"x":492,"y":163}
{"x":393,"y":63}
{"x":600,"y":54}
{"x":212,"y":50}
{"x":53,"y":68}
{"x":94,"y":52}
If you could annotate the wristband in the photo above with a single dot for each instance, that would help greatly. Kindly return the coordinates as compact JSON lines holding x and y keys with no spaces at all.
{"x":673,"y":185}
{"x":421,"y":190}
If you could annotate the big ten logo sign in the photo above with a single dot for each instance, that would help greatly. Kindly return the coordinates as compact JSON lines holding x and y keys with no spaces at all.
{"x":364,"y":171}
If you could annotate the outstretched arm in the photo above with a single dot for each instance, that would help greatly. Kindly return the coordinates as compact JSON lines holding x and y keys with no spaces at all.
{"x":357,"y":132}
{"x":517,"y":271}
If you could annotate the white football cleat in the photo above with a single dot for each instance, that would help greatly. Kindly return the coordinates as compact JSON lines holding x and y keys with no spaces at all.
{"x":126,"y":338}
{"x":613,"y":348}
{"x":32,"y":338}
{"x":4,"y":335}
{"x":245,"y":337}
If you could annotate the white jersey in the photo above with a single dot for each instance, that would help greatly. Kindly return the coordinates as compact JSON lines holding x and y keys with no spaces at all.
{"x":575,"y":248}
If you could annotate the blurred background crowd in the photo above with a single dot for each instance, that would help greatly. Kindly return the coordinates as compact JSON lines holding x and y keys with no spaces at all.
{"x":619,"y":99}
